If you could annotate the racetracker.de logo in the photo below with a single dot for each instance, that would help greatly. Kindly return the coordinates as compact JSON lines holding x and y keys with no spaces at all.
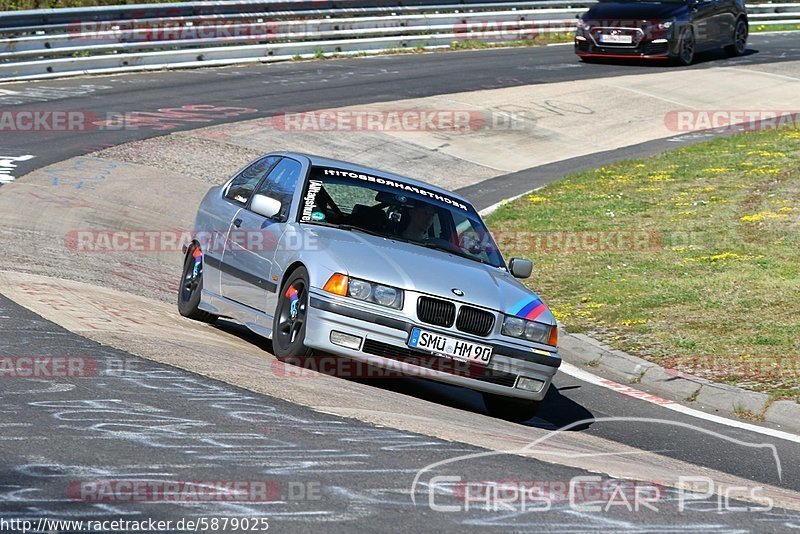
{"x":572,"y":241}
{"x":47,"y":367}
{"x":175,"y":30}
{"x":155,"y":241}
{"x":110,"y":491}
{"x":733,"y":120}
{"x":410,"y":120}
{"x":342,"y":367}
{"x":494,"y":30}
{"x":31,"y":120}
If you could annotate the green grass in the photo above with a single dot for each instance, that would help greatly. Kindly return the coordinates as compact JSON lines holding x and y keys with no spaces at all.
{"x":469,"y":44}
{"x":757,"y":28}
{"x":707,"y":280}
{"x":539,"y":39}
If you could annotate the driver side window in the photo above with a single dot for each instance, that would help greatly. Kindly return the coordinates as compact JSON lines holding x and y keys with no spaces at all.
{"x":281,"y":183}
{"x":241,"y":188}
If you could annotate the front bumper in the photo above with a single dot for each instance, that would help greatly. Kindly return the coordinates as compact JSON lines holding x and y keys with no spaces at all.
{"x":644,"y":47}
{"x":384,"y":345}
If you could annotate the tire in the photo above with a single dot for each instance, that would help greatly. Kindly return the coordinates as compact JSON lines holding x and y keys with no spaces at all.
{"x":686,"y":48}
{"x":289,"y":324}
{"x":739,"y":46}
{"x":191,"y":288}
{"x":510,"y":409}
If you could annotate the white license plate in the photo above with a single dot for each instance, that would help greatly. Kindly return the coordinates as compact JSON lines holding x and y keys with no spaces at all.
{"x":449,"y":346}
{"x":622,"y":39}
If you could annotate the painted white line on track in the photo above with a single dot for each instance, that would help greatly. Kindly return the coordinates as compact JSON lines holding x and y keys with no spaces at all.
{"x":763,"y":73}
{"x":651,"y":95}
{"x":629,"y":391}
{"x":580,"y":374}
{"x":485,"y":212}
{"x":8,"y":164}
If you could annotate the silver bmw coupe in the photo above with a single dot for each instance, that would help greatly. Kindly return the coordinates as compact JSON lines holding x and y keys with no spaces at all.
{"x":327,"y":257}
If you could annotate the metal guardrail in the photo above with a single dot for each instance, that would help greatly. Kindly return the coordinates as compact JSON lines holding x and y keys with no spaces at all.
{"x":67,"y":42}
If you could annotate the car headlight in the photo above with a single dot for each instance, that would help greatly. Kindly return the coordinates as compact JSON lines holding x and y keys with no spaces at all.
{"x":359,"y":289}
{"x":530,"y":330}
{"x":664,"y":25}
{"x":356,"y":288}
{"x":386,"y":296}
{"x":514,"y":327}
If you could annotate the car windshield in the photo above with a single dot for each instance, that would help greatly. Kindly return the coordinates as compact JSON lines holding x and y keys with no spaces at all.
{"x":397,"y":210}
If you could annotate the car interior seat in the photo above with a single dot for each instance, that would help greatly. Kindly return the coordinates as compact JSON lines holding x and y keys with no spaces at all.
{"x":371,"y":218}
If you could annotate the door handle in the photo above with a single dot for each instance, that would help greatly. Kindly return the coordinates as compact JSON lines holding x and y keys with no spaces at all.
{"x":237,"y":223}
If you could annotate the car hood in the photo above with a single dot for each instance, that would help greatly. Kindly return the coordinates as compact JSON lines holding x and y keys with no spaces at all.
{"x":433,"y":272}
{"x":611,"y":11}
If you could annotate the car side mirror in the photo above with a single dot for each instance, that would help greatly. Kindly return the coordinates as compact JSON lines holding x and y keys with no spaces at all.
{"x":265,"y":206}
{"x":520,"y":267}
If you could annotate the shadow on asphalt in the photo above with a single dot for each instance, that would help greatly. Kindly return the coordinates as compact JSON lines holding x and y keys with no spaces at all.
{"x":713,"y":58}
{"x":556,"y":411}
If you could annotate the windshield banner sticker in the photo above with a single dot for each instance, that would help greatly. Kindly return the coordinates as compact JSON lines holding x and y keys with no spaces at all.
{"x":310,"y":200}
{"x":391,"y":183}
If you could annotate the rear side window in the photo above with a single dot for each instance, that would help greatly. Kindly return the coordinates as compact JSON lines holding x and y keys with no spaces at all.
{"x":241,"y":188}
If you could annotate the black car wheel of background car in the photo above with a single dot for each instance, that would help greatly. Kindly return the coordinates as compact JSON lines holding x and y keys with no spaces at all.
{"x":289,"y":324}
{"x":739,"y":39}
{"x":510,"y":409}
{"x":191,"y":287}
{"x":686,"y":56}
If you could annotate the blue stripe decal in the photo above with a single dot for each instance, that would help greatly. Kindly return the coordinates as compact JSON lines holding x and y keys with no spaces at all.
{"x":519,"y":306}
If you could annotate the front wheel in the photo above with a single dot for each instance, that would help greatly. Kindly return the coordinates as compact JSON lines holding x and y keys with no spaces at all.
{"x":510,"y":409}
{"x":739,"y":45}
{"x":686,"y":48}
{"x":289,"y":324}
{"x":191,"y":287}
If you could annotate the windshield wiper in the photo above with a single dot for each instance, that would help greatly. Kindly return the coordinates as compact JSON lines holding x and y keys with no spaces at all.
{"x":351,"y":227}
{"x":452,"y":251}
{"x":361,"y":229}
{"x":429,"y":245}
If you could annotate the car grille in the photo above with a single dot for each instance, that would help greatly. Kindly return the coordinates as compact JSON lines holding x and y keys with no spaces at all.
{"x":437,"y":363}
{"x":475,"y":321}
{"x":435,"y":311}
{"x":635,"y":35}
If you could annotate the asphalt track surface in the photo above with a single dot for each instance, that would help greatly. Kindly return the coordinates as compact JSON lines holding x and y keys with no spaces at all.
{"x":219,"y":432}
{"x":277,"y":88}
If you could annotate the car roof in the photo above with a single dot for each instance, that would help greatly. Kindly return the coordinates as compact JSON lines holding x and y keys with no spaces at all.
{"x":345,"y":165}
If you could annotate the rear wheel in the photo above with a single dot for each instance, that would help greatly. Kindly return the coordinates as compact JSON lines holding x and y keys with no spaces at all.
{"x":739,"y":45}
{"x":686,"y":48}
{"x":191,"y":287}
{"x":510,"y":409}
{"x":289,"y":324}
